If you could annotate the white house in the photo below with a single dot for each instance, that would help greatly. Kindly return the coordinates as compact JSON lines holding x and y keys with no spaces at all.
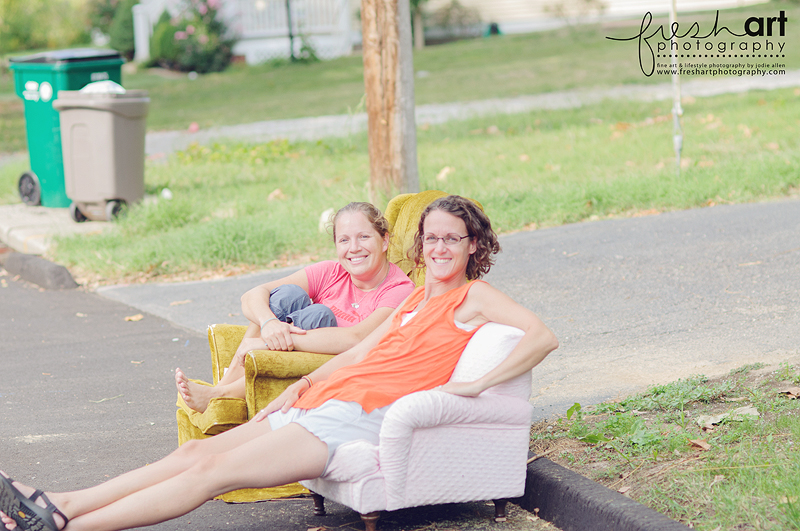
{"x":332,"y":26}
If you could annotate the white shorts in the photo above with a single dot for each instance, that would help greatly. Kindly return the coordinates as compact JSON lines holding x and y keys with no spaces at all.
{"x":335,"y":422}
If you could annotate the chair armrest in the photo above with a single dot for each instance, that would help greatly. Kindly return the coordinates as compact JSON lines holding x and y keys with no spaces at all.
{"x":432,"y":440}
{"x":427,"y":409}
{"x":223,"y":340}
{"x":268,"y":372}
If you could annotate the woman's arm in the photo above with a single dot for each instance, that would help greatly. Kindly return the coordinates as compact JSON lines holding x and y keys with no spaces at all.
{"x":353,"y":355}
{"x":487,"y":304}
{"x":255,"y":306}
{"x":334,"y":340}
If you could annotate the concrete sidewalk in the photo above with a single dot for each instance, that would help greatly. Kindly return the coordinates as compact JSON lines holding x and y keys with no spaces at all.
{"x":30,"y":229}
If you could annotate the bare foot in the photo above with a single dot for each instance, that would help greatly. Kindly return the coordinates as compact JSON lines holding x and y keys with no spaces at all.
{"x":195,"y":395}
{"x":9,"y":523}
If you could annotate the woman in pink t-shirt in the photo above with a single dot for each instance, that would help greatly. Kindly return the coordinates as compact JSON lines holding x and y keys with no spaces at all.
{"x":326,"y":307}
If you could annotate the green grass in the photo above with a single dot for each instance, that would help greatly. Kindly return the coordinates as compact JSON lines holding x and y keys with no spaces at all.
{"x":9,"y":178}
{"x":644,"y":444}
{"x":497,"y":67}
{"x":542,"y":168}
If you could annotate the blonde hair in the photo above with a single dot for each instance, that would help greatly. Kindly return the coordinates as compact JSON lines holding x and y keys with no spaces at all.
{"x":370,"y":212}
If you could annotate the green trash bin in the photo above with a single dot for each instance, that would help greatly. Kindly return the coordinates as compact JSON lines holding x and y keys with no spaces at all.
{"x":37,"y":80}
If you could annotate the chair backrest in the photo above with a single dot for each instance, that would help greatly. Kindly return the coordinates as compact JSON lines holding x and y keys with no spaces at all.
{"x":488,"y":347}
{"x":403,"y":213}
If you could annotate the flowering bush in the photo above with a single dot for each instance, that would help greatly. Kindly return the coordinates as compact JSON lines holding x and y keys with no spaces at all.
{"x":196,"y":40}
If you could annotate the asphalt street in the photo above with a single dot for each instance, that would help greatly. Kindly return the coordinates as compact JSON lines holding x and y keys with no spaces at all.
{"x":634,"y":302}
{"x":87,"y":394}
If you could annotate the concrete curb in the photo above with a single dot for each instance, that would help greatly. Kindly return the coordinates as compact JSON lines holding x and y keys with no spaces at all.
{"x":39,"y":271}
{"x":575,"y":503}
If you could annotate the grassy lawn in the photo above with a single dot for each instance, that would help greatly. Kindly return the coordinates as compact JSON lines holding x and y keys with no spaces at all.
{"x":240,"y":207}
{"x":496,"y":67}
{"x":691,"y":450}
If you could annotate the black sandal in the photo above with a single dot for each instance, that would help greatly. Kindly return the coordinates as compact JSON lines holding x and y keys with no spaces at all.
{"x":24,"y":511}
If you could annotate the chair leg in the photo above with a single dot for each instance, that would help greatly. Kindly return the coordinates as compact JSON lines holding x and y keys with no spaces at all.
{"x":500,"y":510}
{"x":319,"y":504}
{"x":371,"y":520}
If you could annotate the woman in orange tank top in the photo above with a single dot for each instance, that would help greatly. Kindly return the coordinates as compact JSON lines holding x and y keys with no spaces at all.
{"x":416,"y":348}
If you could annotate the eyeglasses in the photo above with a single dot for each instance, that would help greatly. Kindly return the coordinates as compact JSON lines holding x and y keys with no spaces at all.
{"x":448,"y":239}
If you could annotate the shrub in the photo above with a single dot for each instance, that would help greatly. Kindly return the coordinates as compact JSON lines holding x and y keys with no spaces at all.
{"x":121,"y":30}
{"x":163,"y":48}
{"x":31,"y":24}
{"x":101,"y":14}
{"x":199,"y":40}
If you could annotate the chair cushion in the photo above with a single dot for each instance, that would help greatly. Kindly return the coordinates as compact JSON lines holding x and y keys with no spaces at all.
{"x":222,"y":413}
{"x":486,"y":350}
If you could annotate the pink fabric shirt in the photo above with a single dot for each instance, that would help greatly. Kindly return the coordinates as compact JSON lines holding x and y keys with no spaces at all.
{"x":330,"y":284}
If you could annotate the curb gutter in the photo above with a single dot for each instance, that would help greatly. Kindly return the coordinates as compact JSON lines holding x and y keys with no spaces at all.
{"x":39,"y":271}
{"x":575,"y":503}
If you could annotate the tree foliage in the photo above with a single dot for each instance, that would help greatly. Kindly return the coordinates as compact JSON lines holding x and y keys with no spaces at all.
{"x":32,"y":24}
{"x":121,"y":29}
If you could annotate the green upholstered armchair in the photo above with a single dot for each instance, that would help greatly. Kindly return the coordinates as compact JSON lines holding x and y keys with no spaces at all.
{"x":268,"y":373}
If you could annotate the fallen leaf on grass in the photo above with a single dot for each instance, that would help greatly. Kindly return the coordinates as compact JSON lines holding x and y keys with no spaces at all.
{"x":700,"y":443}
{"x":277,"y":193}
{"x":624,"y":490}
{"x":137,"y":317}
{"x":740,"y":412}
{"x":178,"y":303}
{"x":792,"y":392}
{"x":790,"y":499}
{"x":707,"y":422}
{"x":444,"y":172}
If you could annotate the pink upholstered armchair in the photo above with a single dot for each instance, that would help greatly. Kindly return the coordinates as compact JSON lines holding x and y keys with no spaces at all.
{"x":440,"y":448}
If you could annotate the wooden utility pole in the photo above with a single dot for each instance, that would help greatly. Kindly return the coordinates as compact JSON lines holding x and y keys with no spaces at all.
{"x":389,"y":85}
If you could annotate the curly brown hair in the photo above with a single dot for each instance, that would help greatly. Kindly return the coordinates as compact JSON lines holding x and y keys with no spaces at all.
{"x":370,"y":212}
{"x":479,"y":229}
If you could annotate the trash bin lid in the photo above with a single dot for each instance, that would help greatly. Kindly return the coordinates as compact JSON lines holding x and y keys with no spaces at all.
{"x":72,"y":55}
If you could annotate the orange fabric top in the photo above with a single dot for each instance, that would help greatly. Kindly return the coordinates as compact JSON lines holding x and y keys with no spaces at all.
{"x":418,"y":356}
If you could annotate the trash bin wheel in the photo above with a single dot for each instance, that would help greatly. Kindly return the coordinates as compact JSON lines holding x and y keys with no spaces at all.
{"x":114,"y":208}
{"x":29,"y":189}
{"x":76,"y":214}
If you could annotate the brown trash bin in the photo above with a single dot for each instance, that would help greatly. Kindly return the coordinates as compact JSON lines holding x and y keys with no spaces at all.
{"x":102,"y":140}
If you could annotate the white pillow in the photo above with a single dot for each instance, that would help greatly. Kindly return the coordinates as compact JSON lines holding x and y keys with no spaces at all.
{"x":488,"y":347}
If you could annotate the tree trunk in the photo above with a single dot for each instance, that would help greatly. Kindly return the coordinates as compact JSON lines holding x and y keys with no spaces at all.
{"x":389,"y":85}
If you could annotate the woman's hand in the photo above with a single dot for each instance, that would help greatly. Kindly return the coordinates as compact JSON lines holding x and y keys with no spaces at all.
{"x":462,"y":388}
{"x":284,"y":401}
{"x":277,"y":335}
